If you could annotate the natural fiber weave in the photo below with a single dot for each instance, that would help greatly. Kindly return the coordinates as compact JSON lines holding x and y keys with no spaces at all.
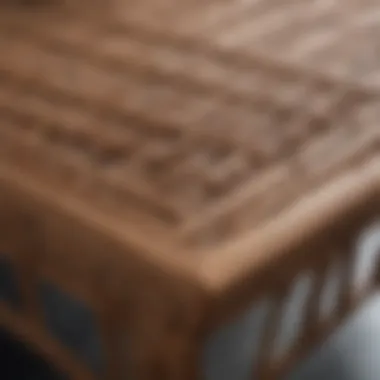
{"x":170,"y":162}
{"x":193,"y":113}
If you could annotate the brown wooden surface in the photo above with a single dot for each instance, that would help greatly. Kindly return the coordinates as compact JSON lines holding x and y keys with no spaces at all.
{"x":185,"y":152}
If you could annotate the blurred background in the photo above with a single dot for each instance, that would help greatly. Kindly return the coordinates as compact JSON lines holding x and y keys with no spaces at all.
{"x":352,"y":353}
{"x":17,"y":362}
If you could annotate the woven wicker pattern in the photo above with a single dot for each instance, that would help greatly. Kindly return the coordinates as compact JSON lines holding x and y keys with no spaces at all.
{"x":182,"y":109}
{"x":333,"y":36}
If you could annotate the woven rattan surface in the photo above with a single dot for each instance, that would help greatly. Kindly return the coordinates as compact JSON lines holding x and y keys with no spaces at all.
{"x":193,"y":121}
{"x":165,"y":165}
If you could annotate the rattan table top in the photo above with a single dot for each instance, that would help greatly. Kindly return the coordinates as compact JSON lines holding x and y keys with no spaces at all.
{"x":195,"y":122}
